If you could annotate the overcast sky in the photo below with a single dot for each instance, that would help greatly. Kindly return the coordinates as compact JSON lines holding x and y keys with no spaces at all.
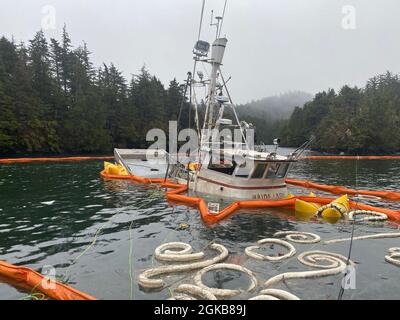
{"x":274,"y":45}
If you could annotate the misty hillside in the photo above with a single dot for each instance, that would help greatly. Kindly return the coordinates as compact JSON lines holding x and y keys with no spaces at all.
{"x":269,"y":115}
{"x":276,"y":107}
{"x":353,"y":120}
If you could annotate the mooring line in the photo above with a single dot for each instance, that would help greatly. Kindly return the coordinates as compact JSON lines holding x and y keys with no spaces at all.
{"x":101,"y":228}
{"x":130,"y":261}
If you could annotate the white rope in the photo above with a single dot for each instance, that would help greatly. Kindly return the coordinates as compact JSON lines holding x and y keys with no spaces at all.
{"x":275,"y":294}
{"x":258,"y":256}
{"x":225,"y":293}
{"x":370,"y":215}
{"x":337,"y":263}
{"x":190,"y":291}
{"x":394,"y":256}
{"x":335,"y":206}
{"x":299,"y":237}
{"x":146,"y":282}
{"x":185,"y":254}
{"x":373,"y":236}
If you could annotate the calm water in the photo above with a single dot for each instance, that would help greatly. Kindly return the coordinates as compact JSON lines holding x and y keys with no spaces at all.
{"x":50,"y":212}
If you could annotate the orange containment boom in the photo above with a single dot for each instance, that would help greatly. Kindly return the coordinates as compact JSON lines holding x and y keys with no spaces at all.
{"x":389,"y":195}
{"x":352,"y":157}
{"x":31,"y":279}
{"x":26,"y":160}
{"x":176,"y":195}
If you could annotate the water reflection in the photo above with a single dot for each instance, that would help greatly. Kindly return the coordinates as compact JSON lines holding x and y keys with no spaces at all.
{"x":50,"y":213}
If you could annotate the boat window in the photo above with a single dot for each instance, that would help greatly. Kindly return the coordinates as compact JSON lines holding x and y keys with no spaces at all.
{"x":258,"y":173}
{"x":244,"y":170}
{"x":226,"y":167}
{"x":272,"y":170}
{"x":281,"y":172}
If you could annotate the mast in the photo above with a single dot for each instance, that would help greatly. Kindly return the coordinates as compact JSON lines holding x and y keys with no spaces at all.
{"x":214,"y":104}
{"x":217,"y":54}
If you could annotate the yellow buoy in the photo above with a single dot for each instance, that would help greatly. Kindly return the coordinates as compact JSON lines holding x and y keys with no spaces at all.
{"x":306,"y":210}
{"x":340,"y":205}
{"x":115,"y":169}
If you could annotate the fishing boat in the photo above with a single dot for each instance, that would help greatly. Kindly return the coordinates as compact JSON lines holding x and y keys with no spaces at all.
{"x":224,"y":162}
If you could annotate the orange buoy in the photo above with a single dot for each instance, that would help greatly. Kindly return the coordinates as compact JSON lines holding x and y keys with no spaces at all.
{"x":26,"y":160}
{"x":176,"y":190}
{"x":352,"y":157}
{"x":389,"y":195}
{"x":35,"y":281}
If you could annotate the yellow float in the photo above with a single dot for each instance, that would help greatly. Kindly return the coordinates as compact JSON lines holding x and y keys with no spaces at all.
{"x":336,"y":209}
{"x":330,"y":212}
{"x":115,"y":169}
{"x":306,"y":210}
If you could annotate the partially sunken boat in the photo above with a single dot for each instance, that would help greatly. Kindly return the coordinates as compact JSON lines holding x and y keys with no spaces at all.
{"x":233,"y":169}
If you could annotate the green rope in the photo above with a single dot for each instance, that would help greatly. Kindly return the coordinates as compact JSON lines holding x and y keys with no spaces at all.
{"x":35,"y":295}
{"x":130,"y":261}
{"x":64,"y":277}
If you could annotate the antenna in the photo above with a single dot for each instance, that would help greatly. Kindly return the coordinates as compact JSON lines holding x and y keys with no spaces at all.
{"x":217,"y":23}
{"x":219,"y":20}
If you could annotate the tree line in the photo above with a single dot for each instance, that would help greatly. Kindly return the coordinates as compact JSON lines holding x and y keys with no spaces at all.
{"x":53,"y":100}
{"x":353,"y":120}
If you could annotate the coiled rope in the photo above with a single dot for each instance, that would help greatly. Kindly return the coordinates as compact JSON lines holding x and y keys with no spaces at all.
{"x":370,"y":215}
{"x":191,"y":292}
{"x":275,"y":294}
{"x":335,"y":206}
{"x":146,"y":282}
{"x":394,"y":256}
{"x":336,"y":263}
{"x":292,"y":250}
{"x":225,"y":293}
{"x":163,"y":254}
{"x":299,"y":237}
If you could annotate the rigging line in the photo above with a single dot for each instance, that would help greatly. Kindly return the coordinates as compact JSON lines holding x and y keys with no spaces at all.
{"x":205,"y":69}
{"x":183,"y":100}
{"x":166,"y":172}
{"x":130,"y":261}
{"x":196,"y":111}
{"x":64,"y":278}
{"x":201,"y":19}
{"x":199,"y":133}
{"x":190,"y":120}
{"x":222,"y":20}
{"x":341,"y":292}
{"x":234,"y":109}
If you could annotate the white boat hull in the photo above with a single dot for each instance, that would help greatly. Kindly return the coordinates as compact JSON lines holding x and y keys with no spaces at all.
{"x":241,"y":192}
{"x":223,"y":186}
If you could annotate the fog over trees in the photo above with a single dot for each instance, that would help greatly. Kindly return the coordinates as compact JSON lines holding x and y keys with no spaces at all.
{"x":53,"y":100}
